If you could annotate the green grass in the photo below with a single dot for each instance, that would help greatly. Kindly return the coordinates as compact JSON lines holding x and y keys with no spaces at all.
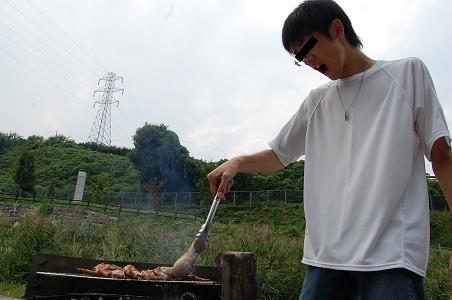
{"x":441,"y":229}
{"x":274,"y":234}
{"x":12,"y":289}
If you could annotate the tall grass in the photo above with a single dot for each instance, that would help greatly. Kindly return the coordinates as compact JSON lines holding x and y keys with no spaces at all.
{"x":274,"y":236}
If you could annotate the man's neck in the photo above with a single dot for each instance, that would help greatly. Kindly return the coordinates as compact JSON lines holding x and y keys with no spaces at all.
{"x":356,"y":62}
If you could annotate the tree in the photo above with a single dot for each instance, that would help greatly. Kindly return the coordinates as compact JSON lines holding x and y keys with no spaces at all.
{"x":152,"y":187}
{"x":100,"y":187}
{"x":24,"y":175}
{"x":158,"y":156}
{"x":8,"y":141}
{"x":51,"y":189}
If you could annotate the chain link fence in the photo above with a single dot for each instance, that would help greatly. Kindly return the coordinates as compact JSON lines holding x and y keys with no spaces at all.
{"x":178,"y":204}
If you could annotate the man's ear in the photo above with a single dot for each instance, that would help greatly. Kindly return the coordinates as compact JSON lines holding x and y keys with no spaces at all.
{"x":336,"y":29}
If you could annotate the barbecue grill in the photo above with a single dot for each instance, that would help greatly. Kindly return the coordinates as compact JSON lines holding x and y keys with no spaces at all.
{"x":54,"y":277}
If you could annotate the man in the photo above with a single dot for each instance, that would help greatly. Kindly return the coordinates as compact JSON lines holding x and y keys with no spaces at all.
{"x":364,"y":136}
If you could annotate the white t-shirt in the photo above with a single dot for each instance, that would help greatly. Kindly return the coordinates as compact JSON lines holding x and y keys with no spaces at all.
{"x":365,"y":190}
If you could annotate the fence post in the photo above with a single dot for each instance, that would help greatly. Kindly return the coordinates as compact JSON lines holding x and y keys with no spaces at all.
{"x":268,"y":198}
{"x":175,"y":207}
{"x":251,"y":193}
{"x":234,"y":198}
{"x":285,"y":196}
{"x":122,"y":201}
{"x":106,"y":202}
{"x":136,"y":204}
{"x":189,"y":200}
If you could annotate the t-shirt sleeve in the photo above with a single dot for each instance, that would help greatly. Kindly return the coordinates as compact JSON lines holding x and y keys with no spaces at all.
{"x":289,"y":144}
{"x":430,"y":122}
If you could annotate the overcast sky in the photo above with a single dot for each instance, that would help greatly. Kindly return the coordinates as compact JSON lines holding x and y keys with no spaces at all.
{"x":214,"y":71}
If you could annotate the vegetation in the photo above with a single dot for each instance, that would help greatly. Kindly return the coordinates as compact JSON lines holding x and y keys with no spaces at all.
{"x":100,"y":188}
{"x":159,"y":162}
{"x":275,"y":235}
{"x":160,"y":158}
{"x":58,"y":160}
{"x":157,"y":156}
{"x":24,"y":175}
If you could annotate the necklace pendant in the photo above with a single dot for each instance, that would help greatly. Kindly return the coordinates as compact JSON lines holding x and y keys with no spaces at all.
{"x":346,"y":116}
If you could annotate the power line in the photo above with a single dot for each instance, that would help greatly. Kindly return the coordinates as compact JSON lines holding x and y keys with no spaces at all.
{"x":56,"y":53}
{"x":134,"y":127}
{"x":42,"y":75}
{"x":130,"y":96}
{"x":43,"y":32}
{"x":40,"y":51}
{"x":67,"y":36}
{"x":38,"y":58}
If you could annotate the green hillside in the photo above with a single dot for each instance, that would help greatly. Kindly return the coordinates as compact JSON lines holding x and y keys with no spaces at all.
{"x":59,"y":159}
{"x":159,"y":155}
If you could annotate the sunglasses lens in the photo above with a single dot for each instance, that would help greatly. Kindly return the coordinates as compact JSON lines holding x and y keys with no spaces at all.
{"x":306,"y":48}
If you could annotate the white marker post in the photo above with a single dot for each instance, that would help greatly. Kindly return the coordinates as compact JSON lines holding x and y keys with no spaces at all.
{"x":80,"y":187}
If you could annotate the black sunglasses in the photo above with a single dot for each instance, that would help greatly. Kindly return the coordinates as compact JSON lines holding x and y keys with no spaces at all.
{"x":306,"y":48}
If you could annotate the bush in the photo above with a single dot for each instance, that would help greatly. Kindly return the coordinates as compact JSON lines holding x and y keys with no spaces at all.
{"x":19,"y":243}
{"x":437,"y":281}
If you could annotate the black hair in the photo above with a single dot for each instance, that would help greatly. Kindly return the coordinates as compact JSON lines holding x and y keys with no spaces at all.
{"x":316,"y":16}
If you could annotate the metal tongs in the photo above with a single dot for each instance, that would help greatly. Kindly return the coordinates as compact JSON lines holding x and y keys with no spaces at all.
{"x":204,"y":232}
{"x":184,"y":264}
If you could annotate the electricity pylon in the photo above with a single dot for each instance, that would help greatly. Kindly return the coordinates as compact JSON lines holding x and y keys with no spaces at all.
{"x":101,"y":129}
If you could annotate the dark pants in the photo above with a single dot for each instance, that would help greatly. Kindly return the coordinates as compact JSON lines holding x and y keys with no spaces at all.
{"x":392,"y":284}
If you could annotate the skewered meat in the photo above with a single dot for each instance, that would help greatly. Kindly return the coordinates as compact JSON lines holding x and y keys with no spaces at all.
{"x":184,"y":264}
{"x":155,"y":274}
{"x":105,"y":270}
{"x":129,"y":271}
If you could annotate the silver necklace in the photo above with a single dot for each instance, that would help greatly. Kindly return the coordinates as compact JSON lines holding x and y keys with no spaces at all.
{"x":346,"y":111}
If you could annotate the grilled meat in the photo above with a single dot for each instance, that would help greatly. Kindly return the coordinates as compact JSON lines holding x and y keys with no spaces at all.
{"x":105,"y":270}
{"x":129,"y":271}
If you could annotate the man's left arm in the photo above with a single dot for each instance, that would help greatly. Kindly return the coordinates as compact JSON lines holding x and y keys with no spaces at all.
{"x":442,"y":167}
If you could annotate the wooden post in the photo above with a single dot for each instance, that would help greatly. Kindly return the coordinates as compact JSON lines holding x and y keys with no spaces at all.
{"x":106,"y":203}
{"x":175,"y":207}
{"x":122,"y":201}
{"x":239,"y":279}
{"x":189,"y":200}
{"x":136,"y":204}
{"x":234,"y":198}
{"x":285,"y":196}
{"x":251,"y":195}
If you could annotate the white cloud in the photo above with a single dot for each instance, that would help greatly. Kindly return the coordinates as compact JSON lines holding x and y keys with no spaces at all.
{"x":215,"y":72}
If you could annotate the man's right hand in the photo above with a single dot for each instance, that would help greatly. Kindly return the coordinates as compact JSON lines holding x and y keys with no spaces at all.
{"x":222,"y":178}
